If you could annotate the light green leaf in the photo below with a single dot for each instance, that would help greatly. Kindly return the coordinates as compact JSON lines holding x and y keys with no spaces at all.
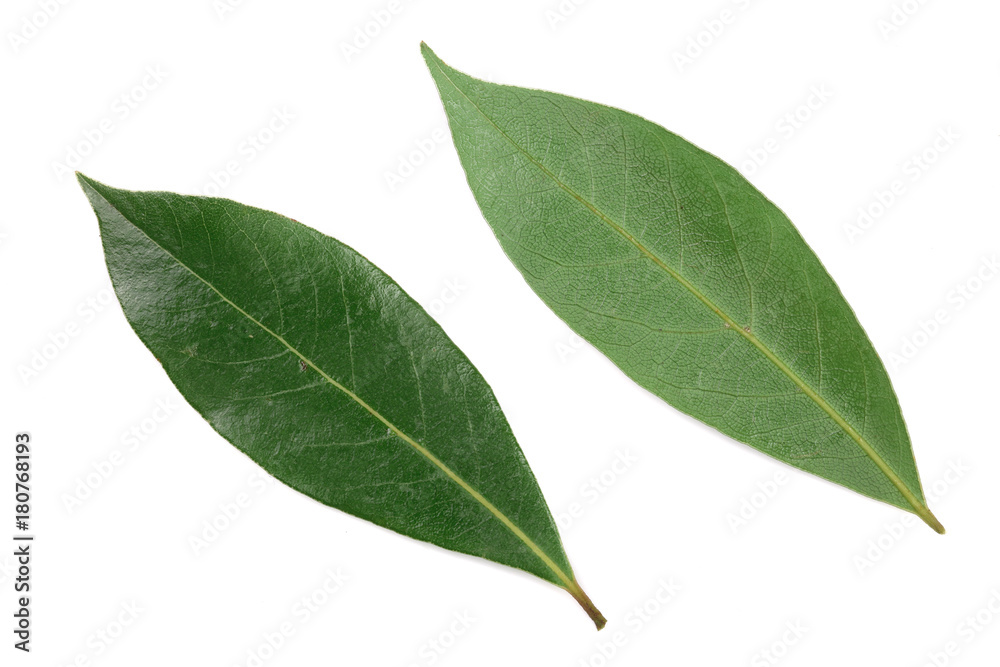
{"x":690,"y":280}
{"x":314,"y":363}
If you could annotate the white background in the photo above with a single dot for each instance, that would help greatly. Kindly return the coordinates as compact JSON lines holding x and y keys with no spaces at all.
{"x":801,"y":559}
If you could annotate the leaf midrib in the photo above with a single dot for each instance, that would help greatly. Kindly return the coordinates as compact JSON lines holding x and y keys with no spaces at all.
{"x":918,"y":507}
{"x":568,"y":582}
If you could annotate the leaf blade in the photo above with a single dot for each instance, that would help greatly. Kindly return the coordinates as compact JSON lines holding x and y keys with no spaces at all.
{"x":289,"y":338}
{"x":537,"y":163}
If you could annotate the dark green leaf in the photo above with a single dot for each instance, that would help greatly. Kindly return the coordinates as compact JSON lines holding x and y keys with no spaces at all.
{"x":667,"y":260}
{"x":320,"y":368}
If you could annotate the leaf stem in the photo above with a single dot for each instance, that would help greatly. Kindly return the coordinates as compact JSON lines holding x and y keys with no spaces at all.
{"x":929,"y":518}
{"x":588,"y":606}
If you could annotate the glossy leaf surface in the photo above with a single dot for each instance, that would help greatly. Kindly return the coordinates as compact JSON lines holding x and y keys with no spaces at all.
{"x":690,"y":280}
{"x":313,"y":362}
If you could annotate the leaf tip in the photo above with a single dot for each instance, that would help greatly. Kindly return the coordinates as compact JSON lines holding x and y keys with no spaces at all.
{"x":89,"y":184}
{"x":434,"y":62}
{"x":98,"y":194}
{"x":428,"y":53}
{"x":90,"y":187}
